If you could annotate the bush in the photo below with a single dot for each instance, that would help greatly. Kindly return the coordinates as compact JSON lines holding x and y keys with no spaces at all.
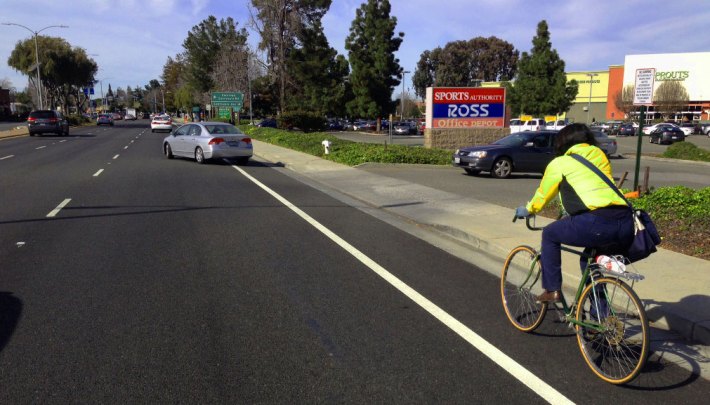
{"x":679,"y":202}
{"x":348,"y":152}
{"x":687,"y":151}
{"x":76,"y":120}
{"x":306,"y":121}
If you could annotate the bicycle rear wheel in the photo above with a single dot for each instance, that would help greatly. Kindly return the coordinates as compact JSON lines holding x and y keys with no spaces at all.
{"x":617,"y":347}
{"x":520,"y":284}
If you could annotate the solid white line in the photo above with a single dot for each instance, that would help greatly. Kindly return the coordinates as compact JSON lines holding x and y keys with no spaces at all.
{"x":7,"y":157}
{"x":98,"y":173}
{"x":40,"y":147}
{"x":532,"y":381}
{"x":61,"y":205}
{"x":115,"y":157}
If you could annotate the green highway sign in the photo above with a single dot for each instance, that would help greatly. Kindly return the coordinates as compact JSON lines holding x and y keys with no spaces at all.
{"x":231,"y":99}
{"x":224,"y":113}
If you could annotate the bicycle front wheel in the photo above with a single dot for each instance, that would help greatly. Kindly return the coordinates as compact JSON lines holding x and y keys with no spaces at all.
{"x":613,"y":330}
{"x":520,"y":284}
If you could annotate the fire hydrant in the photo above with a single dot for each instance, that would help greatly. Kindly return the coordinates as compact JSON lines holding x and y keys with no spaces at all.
{"x":326,"y":145}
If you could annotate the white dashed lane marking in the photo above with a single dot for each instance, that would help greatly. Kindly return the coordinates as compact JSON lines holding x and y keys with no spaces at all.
{"x":61,"y":205}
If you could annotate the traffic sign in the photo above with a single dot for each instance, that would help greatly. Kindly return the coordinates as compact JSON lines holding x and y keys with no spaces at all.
{"x":643,"y":90}
{"x":224,"y":113}
{"x":231,"y":99}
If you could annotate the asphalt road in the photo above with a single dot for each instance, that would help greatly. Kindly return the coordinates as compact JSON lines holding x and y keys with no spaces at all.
{"x":127,"y":277}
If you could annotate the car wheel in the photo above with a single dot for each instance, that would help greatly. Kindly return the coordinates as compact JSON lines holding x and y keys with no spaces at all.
{"x":502,"y":168}
{"x":168,"y":151}
{"x":31,"y":134}
{"x":471,"y":172}
{"x":66,"y":132}
{"x":199,"y":155}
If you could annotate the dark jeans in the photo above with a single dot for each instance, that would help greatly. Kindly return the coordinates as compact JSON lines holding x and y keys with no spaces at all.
{"x":588,"y":230}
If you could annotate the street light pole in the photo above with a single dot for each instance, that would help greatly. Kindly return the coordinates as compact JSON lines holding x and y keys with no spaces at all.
{"x":35,"y":33}
{"x":589,"y":104}
{"x":401,"y":116}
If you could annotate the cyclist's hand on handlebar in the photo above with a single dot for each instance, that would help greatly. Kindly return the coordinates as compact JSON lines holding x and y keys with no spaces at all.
{"x":521,"y":212}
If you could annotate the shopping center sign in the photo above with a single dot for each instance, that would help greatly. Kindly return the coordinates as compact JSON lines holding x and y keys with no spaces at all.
{"x":465,"y":107}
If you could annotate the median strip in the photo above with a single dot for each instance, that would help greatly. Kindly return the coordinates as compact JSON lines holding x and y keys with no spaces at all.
{"x":61,"y":205}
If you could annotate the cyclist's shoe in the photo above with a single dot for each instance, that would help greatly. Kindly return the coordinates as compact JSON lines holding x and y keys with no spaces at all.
{"x":549,"y":296}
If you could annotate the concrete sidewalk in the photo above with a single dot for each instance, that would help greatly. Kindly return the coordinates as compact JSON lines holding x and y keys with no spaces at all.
{"x":675,"y":289}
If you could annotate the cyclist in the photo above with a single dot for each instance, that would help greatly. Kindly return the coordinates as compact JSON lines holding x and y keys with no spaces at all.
{"x":597,"y":217}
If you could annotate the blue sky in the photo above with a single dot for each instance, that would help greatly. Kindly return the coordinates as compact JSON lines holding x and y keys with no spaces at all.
{"x":132,"y":39}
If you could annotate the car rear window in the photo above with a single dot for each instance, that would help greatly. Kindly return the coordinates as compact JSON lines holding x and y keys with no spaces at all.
{"x":222,"y":129}
{"x":42,"y":114}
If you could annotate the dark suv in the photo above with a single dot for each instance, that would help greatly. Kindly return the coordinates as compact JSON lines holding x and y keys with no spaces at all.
{"x":47,"y":121}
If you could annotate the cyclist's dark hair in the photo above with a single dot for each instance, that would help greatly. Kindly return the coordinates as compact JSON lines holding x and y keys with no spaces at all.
{"x":571,"y":135}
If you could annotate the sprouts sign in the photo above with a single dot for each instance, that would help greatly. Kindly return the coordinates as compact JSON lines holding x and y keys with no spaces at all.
{"x":465,"y":107}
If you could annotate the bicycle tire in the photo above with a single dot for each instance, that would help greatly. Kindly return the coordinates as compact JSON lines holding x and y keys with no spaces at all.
{"x":618,"y":352}
{"x":520,"y":283}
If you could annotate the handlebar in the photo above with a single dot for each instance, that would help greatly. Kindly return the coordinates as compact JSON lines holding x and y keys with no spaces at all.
{"x":527,"y":223}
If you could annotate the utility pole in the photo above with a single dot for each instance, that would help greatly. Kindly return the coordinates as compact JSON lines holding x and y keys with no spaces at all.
{"x":401,"y":116}
{"x":589,"y":104}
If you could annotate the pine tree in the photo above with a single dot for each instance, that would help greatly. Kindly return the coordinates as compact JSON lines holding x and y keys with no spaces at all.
{"x":541,"y":86}
{"x":375,"y":71}
{"x":318,"y":74}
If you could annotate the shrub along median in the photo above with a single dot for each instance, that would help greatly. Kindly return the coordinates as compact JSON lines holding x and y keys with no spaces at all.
{"x":681,"y":214}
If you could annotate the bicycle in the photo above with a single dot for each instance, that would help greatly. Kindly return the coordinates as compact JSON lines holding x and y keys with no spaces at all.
{"x":607,"y":316}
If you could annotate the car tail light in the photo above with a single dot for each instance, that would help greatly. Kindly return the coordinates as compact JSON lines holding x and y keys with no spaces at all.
{"x":31,"y":120}
{"x":216,"y":141}
{"x":53,"y":120}
{"x":246,"y":140}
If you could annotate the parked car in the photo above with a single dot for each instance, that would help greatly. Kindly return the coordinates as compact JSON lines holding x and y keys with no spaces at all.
{"x":705,"y":129}
{"x":129,"y":117}
{"x":117,"y":116}
{"x":627,"y":129}
{"x":47,"y":121}
{"x":528,"y":151}
{"x":556,"y":125}
{"x":267,"y":123}
{"x":666,"y":134}
{"x":534,"y":124}
{"x":648,"y":129}
{"x":404,"y":128}
{"x":335,"y":125}
{"x":104,"y":119}
{"x":203,"y":141}
{"x":161,"y":123}
{"x":688,"y":128}
{"x":608,"y":145}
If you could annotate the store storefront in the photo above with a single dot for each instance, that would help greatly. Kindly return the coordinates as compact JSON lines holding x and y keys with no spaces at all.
{"x":689,"y":69}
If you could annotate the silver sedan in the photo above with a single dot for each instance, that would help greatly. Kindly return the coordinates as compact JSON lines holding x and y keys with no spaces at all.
{"x":203,"y":141}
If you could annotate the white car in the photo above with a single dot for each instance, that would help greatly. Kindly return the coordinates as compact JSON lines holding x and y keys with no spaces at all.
{"x":686,"y":131}
{"x":161,"y":123}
